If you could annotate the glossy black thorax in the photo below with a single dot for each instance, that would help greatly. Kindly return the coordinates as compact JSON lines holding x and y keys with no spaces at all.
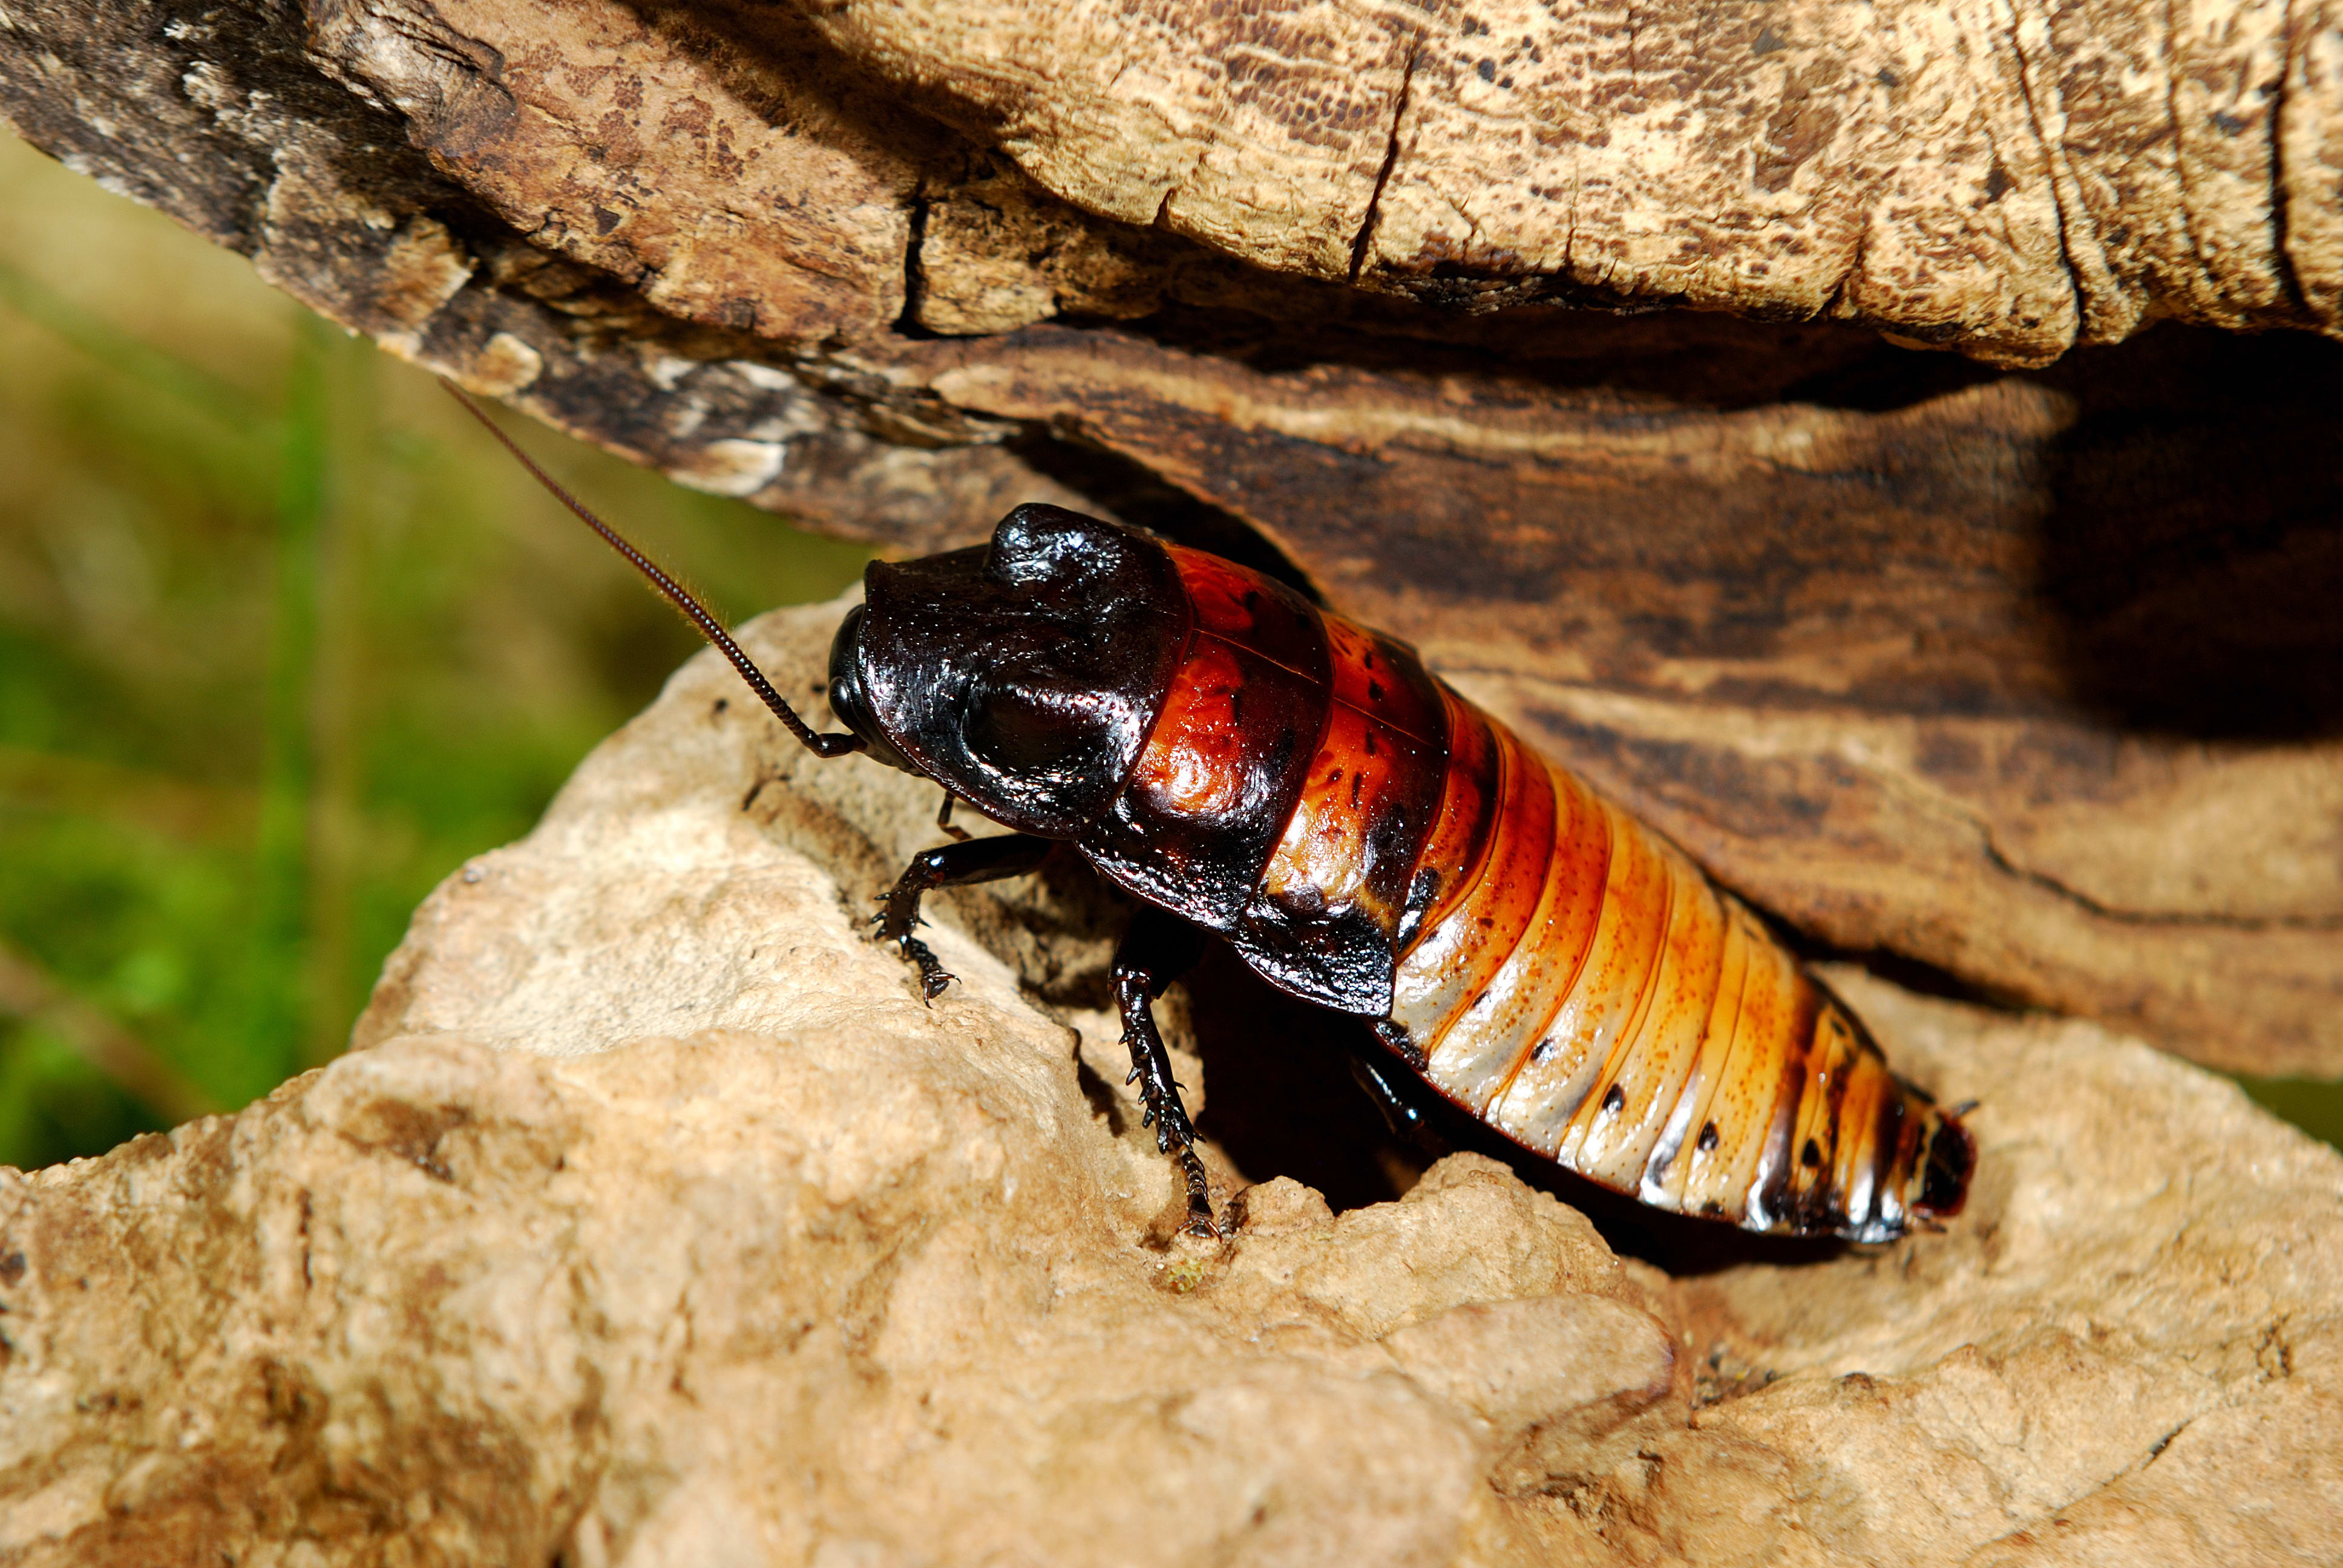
{"x":1022,"y":675}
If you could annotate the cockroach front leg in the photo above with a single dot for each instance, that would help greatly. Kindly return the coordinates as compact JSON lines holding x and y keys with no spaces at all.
{"x":951,"y":866}
{"x":1155,"y":952}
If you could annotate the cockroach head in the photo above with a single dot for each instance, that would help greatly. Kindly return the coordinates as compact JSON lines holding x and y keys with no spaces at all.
{"x":1022,"y":675}
{"x":1945,"y":1166}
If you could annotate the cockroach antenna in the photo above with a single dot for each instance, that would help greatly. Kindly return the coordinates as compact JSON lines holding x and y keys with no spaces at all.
{"x":695,"y":612}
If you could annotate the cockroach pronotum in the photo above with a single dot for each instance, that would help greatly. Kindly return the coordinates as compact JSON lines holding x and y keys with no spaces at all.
{"x":1368,"y":840}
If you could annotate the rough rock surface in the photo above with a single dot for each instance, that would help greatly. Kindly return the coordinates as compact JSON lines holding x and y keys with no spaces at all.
{"x":661,"y":1223}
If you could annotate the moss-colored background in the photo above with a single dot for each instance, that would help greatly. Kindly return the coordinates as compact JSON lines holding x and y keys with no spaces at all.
{"x":285,"y":638}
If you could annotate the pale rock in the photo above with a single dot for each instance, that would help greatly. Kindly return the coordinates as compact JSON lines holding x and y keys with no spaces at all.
{"x":660,"y":1222}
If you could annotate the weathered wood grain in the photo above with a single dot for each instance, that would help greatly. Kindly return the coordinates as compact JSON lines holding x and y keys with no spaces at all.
{"x":2009,"y":177}
{"x":2031,"y":676}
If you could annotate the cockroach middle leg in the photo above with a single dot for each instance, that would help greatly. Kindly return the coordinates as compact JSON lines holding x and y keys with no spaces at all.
{"x":943,"y":819}
{"x":1401,"y":1116}
{"x":1155,"y":952}
{"x":951,"y":866}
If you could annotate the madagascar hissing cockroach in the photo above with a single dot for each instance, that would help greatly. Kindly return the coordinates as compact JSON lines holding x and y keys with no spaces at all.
{"x":1366,"y":840}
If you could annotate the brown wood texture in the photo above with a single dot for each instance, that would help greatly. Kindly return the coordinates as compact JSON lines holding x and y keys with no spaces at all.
{"x":2011,"y":177}
{"x":2031,"y":675}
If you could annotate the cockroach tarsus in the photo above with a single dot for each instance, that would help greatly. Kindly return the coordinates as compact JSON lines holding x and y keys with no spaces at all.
{"x":1366,"y":840}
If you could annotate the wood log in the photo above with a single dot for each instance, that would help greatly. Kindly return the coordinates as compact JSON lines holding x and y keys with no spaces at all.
{"x":2012,"y":178}
{"x":2019,"y":664}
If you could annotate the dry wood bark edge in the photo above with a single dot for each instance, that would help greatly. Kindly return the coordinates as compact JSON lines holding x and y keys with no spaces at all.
{"x":646,"y":312}
{"x":2007,"y":179}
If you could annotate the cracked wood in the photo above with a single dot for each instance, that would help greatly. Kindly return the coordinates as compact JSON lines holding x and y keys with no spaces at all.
{"x":2031,"y":677}
{"x":2006,"y":177}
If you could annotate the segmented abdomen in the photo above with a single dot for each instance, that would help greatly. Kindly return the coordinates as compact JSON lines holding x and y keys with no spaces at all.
{"x":1370,"y":840}
{"x":1581,"y":987}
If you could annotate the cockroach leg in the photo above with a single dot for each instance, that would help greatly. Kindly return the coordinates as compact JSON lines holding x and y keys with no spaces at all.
{"x":951,"y":866}
{"x":1155,"y":952}
{"x":944,"y":817}
{"x":1403,"y":1119}
{"x":1199,"y":1196}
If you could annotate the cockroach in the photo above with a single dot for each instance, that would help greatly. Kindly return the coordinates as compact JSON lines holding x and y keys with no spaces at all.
{"x":1244,"y":763}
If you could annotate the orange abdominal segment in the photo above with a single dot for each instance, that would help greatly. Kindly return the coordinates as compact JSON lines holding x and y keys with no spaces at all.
{"x":1350,"y":841}
{"x":1613,"y":1134}
{"x":1369,"y":840}
{"x":1612,"y":1010}
{"x":1209,"y":798}
{"x":1450,"y":973}
{"x":1694,"y":1138}
{"x":1485,"y":1051}
{"x":1457,"y":851}
{"x":1370,"y":792}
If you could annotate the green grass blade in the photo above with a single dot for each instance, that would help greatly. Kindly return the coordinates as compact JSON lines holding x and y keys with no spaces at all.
{"x":283,"y":841}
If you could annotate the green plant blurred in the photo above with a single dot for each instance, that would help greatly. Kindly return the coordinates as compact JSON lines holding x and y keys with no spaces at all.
{"x":284,"y":638}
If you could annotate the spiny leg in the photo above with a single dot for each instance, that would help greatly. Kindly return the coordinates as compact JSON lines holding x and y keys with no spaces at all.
{"x":1158,"y":950}
{"x":951,"y":866}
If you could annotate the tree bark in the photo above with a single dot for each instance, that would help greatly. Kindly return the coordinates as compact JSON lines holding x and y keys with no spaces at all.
{"x":2030,"y":676}
{"x":2010,"y":177}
